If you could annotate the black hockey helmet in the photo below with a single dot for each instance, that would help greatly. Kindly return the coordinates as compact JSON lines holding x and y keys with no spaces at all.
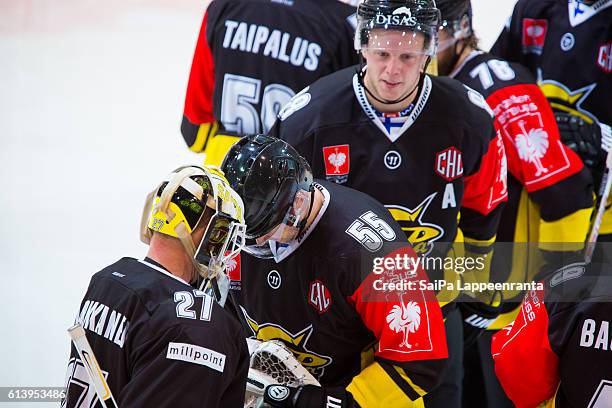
{"x":267,"y":173}
{"x":407,"y":15}
{"x":456,"y":16}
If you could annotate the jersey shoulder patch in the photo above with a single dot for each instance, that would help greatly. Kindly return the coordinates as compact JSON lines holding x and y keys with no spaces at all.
{"x":321,"y":94}
{"x":328,"y":101}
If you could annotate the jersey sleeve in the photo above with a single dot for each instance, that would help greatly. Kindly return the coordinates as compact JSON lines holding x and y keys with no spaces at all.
{"x":199,"y":123}
{"x":407,"y":322}
{"x":552,"y":174}
{"x":525,"y":363}
{"x":186,"y":366}
{"x":292,"y":124}
{"x":486,"y":191}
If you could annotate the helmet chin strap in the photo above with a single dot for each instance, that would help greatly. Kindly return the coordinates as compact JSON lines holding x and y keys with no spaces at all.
{"x":302,"y":225}
{"x":361,"y":76}
{"x":190,"y":248}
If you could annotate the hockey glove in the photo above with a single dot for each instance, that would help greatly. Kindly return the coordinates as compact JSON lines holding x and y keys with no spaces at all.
{"x":307,"y":396}
{"x":590,"y":141}
{"x":477,"y":317}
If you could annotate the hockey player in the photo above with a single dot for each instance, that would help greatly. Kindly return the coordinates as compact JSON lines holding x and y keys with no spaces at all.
{"x":159,"y":341}
{"x":559,"y":347}
{"x":251,"y":58}
{"x":310,"y":280}
{"x":549,"y":190}
{"x":567,"y":45}
{"x":424,"y":146}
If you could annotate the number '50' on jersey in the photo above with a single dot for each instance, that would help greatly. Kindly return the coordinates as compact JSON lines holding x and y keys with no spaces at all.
{"x":252,"y":57}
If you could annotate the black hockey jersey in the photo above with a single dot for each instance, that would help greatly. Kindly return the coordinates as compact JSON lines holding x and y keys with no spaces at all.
{"x":252,"y":56}
{"x":549,"y":190}
{"x":159,"y":342}
{"x":322,"y":297}
{"x":567,"y":45}
{"x":560,"y":346}
{"x":445,"y":160}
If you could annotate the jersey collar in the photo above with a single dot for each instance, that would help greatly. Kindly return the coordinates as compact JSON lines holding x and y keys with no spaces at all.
{"x":162,"y":270}
{"x":283,"y":252}
{"x":579,"y":12}
{"x":467,"y":59}
{"x":419,"y":104}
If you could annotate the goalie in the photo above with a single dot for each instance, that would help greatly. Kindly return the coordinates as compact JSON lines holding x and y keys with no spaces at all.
{"x":160,"y":342}
{"x":306,"y":279}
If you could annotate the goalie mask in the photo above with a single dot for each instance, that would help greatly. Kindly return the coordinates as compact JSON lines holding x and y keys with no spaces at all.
{"x":190,"y":197}
{"x":275,"y":183}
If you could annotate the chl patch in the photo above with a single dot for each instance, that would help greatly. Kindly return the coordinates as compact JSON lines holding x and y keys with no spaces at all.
{"x":604,"y":57}
{"x":337,"y":162}
{"x":449,"y":164}
{"x":319,"y":296}
{"x":534,"y":35}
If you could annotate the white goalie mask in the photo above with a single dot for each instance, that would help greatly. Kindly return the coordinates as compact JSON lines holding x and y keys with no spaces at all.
{"x":192,"y":195}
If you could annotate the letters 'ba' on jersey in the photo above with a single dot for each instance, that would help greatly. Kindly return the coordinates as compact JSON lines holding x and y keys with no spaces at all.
{"x":549,"y":190}
{"x":559,"y":347}
{"x":159,"y":342}
{"x":387,"y":347}
{"x":567,"y":45}
{"x":252,"y":57}
{"x":445,"y":161}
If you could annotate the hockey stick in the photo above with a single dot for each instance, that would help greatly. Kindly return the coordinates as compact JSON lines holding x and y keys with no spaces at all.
{"x":77,"y":334}
{"x":272,"y":363}
{"x":604,"y":193}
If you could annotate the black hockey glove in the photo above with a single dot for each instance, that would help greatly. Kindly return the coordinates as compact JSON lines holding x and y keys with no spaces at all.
{"x":587,"y":140}
{"x":307,"y":396}
{"x":477,"y":317}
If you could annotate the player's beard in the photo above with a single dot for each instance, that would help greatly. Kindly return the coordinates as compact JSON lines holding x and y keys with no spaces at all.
{"x":446,"y":61}
{"x":449,"y":59}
